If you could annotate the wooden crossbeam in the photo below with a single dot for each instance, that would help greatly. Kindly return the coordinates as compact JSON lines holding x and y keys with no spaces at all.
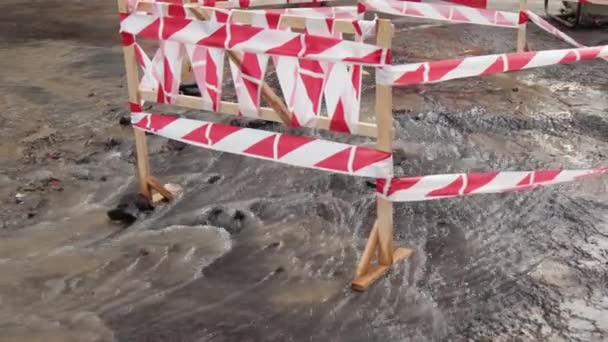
{"x":266,"y":113}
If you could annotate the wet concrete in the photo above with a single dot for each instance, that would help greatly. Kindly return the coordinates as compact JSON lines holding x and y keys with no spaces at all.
{"x":265,"y":251}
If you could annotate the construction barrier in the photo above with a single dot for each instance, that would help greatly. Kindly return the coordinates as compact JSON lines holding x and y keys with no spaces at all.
{"x":316,"y":69}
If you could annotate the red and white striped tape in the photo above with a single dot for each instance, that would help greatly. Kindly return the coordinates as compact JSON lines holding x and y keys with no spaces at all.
{"x":287,"y":149}
{"x":272,"y":16}
{"x":458,"y":14}
{"x":543,"y":24}
{"x":253,"y":39}
{"x":424,"y":188}
{"x":547,"y":27}
{"x":255,"y":3}
{"x":439,"y":71}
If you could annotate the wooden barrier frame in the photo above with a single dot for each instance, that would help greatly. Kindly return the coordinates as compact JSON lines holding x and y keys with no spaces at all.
{"x":380,"y":240}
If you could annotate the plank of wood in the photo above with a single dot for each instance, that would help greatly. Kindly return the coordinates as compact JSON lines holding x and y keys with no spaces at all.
{"x":245,"y":17}
{"x":363,"y":128}
{"x":368,"y":253}
{"x":143,"y":163}
{"x":160,"y":188}
{"x":384,"y":121}
{"x":521,"y":31}
{"x":364,"y":281}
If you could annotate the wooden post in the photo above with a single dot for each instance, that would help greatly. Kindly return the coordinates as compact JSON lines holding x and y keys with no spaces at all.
{"x":381,"y":237}
{"x":143,"y":164}
{"x":146,"y":181}
{"x":384,"y":121}
{"x":521,"y":31}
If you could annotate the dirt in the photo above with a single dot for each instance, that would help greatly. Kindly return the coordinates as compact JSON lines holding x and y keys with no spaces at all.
{"x":255,"y":251}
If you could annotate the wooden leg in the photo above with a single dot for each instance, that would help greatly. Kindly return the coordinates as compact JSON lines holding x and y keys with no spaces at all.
{"x":143,"y":164}
{"x":160,"y":190}
{"x":368,"y":252}
{"x":521,"y":32}
{"x":381,"y":241}
{"x":147,"y":183}
{"x":364,"y":280}
{"x":385,"y":231}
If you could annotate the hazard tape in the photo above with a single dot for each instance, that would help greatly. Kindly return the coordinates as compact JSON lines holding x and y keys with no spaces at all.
{"x":253,"y":39}
{"x":457,"y":14}
{"x":287,"y":149}
{"x":439,"y":71}
{"x":547,"y":27}
{"x":423,"y":188}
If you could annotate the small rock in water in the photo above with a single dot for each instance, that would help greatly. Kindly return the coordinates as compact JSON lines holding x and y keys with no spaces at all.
{"x":125,"y":120}
{"x":112,"y":142}
{"x":214,"y":179}
{"x":174,"y":145}
{"x":129,"y":208}
{"x":234,"y":221}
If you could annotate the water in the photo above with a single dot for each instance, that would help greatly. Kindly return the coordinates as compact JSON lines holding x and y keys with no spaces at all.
{"x":267,"y":251}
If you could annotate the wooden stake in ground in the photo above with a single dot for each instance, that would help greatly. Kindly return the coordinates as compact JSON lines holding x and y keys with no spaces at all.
{"x":381,"y":236}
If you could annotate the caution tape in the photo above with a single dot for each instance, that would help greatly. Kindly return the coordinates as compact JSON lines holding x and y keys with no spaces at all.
{"x":432,"y":187}
{"x":293,"y":150}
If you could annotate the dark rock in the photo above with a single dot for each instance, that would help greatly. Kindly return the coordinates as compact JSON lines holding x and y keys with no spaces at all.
{"x":174,"y":145}
{"x":234,"y":221}
{"x":515,"y":89}
{"x":91,"y":94}
{"x":124,"y":120}
{"x":239,"y":215}
{"x":112,"y":142}
{"x":129,"y":208}
{"x":213,"y":179}
{"x":251,"y":123}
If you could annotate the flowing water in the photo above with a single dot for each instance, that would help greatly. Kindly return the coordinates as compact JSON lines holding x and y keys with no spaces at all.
{"x":256,"y":251}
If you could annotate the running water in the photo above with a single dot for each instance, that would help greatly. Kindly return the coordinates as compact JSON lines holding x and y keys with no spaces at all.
{"x":253,"y":250}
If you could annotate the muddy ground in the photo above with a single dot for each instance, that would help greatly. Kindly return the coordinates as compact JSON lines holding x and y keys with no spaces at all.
{"x":256,"y":251}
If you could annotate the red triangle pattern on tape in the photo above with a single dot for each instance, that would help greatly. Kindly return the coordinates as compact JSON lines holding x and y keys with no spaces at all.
{"x":450,"y":189}
{"x":263,"y":148}
{"x":367,"y":156}
{"x":198,"y":135}
{"x":337,"y":162}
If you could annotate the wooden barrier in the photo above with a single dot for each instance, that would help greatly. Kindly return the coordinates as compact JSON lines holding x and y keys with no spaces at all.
{"x":380,"y":241}
{"x":381,"y":237}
